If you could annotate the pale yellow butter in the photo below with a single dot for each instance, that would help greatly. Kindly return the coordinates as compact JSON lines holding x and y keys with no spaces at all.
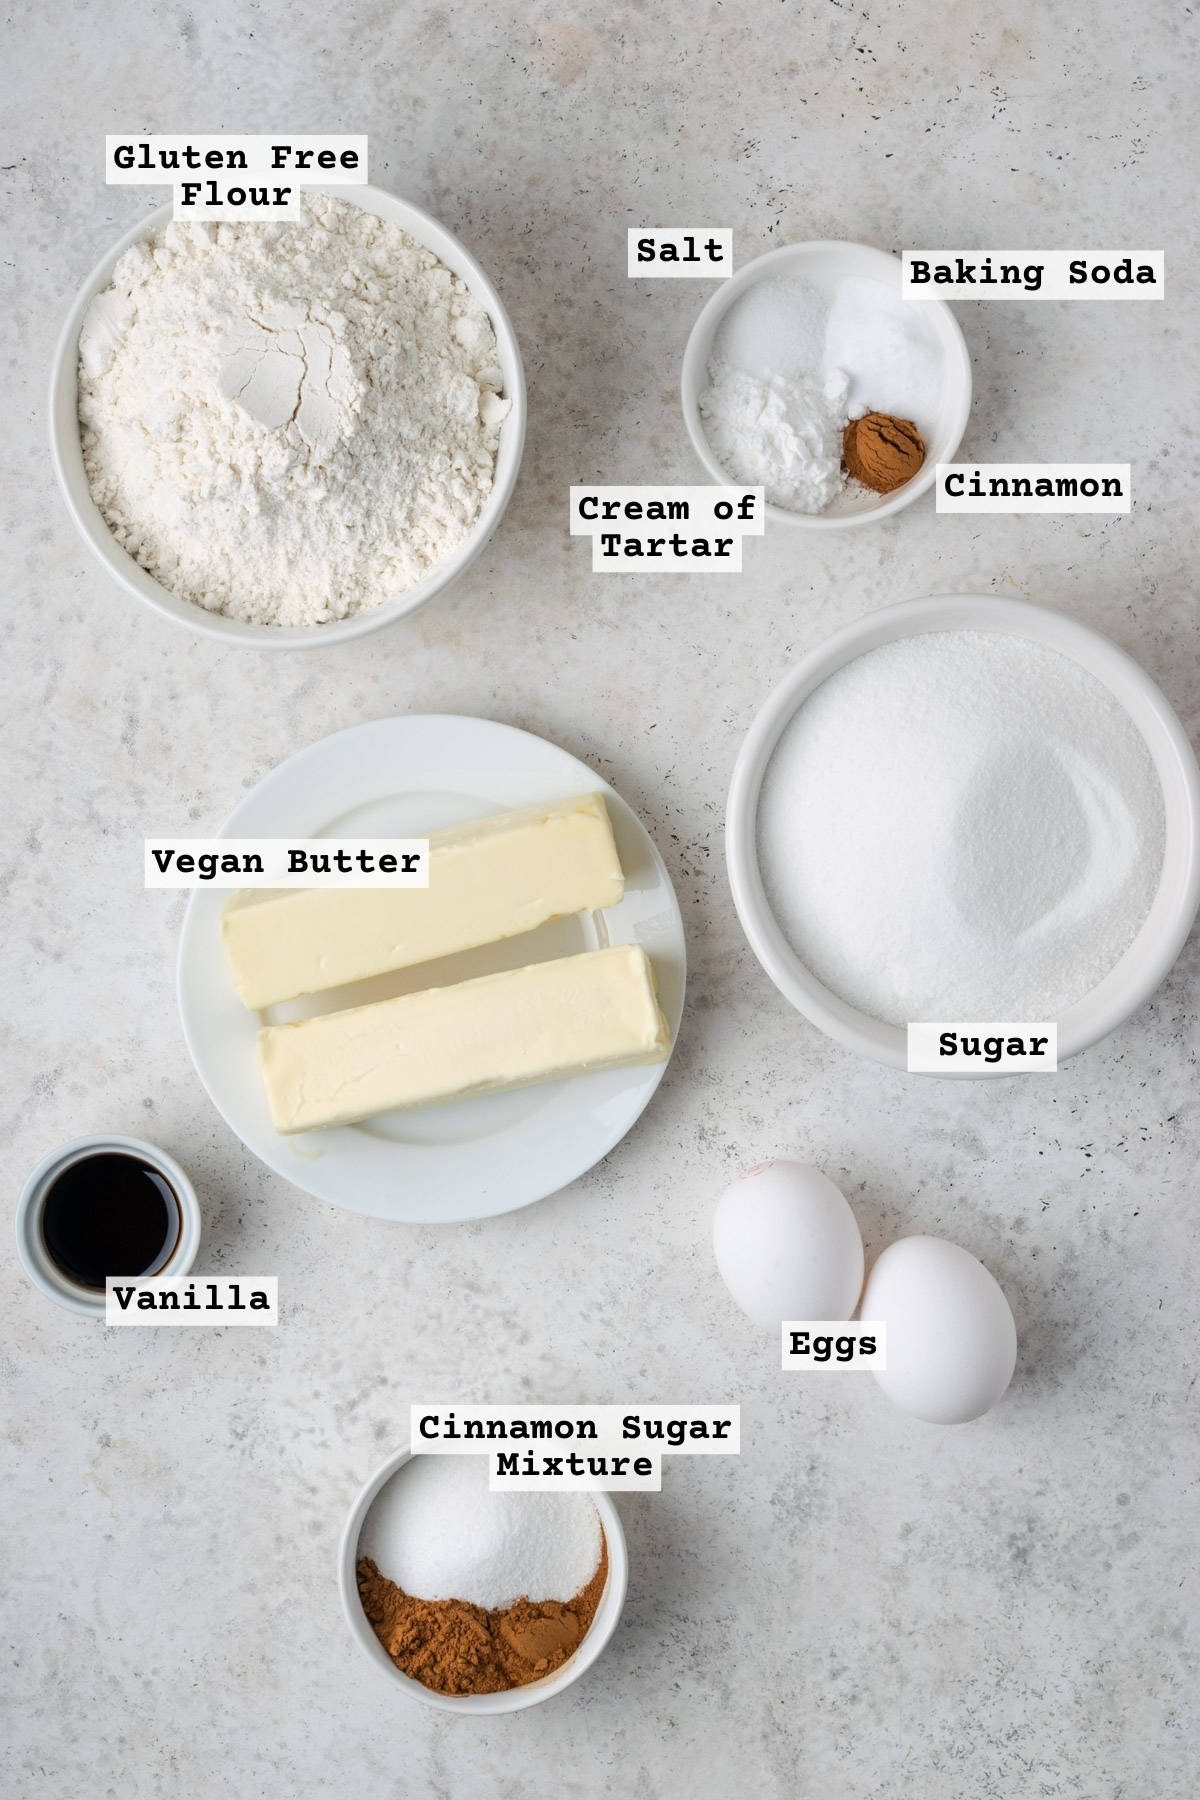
{"x":488,"y":880}
{"x":598,"y":1010}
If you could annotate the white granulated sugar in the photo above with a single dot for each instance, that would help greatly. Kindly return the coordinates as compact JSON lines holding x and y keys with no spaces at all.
{"x":794,"y":361}
{"x":292,"y":422}
{"x":438,"y":1532}
{"x":961,"y":826}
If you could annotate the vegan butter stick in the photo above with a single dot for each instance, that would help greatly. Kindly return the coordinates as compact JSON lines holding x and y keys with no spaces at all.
{"x":598,"y":1010}
{"x":488,"y":880}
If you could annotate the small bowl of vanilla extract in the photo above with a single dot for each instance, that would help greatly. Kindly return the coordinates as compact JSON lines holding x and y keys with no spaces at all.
{"x":102,"y":1208}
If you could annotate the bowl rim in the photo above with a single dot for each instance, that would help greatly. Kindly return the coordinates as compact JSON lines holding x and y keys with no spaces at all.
{"x":36,"y":1261}
{"x":608,"y":1613}
{"x":1165,"y":929}
{"x":958,"y":375}
{"x":67,"y":459}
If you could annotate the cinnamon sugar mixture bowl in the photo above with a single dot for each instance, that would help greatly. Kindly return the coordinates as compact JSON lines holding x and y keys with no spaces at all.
{"x":474,"y":1601}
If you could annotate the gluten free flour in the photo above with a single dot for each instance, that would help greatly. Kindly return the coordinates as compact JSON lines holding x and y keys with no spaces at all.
{"x":289,"y":423}
{"x":961,"y":825}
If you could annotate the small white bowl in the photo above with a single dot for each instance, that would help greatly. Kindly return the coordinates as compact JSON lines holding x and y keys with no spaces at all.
{"x":824,"y":264}
{"x":31,"y":1246}
{"x":1162,"y":936}
{"x":67,"y":452}
{"x":512,"y":1699}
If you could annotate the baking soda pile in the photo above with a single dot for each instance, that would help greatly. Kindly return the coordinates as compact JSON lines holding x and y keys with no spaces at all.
{"x":961,"y":825}
{"x":292,"y":422}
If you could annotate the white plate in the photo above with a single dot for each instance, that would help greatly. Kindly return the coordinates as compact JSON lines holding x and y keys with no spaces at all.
{"x":405,"y":778}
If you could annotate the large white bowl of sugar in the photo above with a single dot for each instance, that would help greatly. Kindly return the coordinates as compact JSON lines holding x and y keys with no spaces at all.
{"x":1046,"y":789}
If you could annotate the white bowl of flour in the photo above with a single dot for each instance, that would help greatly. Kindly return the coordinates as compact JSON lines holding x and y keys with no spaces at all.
{"x":965,"y":808}
{"x":794,"y":345}
{"x":293,"y":434}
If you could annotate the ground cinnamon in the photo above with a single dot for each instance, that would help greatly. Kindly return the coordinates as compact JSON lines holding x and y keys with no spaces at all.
{"x":454,"y":1647}
{"x":882,"y":452}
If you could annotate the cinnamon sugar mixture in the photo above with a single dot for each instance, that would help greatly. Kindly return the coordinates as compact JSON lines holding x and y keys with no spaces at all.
{"x":455,"y":1647}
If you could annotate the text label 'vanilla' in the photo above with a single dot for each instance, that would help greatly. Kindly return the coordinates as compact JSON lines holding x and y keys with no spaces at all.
{"x":243,"y":1300}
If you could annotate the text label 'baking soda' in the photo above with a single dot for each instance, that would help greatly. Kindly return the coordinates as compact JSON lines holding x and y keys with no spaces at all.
{"x":832,"y":1344}
{"x":662,"y":529}
{"x":1010,"y":1049}
{"x":680,"y":251}
{"x":603,"y":1448}
{"x":287,"y":862}
{"x":1035,"y":274}
{"x":193,"y":1300}
{"x":233,"y":176}
{"x":1033,"y":487}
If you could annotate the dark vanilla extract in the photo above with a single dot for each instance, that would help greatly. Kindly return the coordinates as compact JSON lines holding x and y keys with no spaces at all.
{"x":110,"y":1214}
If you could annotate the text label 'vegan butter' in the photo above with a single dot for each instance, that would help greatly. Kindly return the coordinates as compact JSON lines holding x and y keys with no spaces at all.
{"x":286,"y":862}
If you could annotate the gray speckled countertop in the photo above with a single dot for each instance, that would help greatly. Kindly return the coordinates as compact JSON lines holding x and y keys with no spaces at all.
{"x":859,"y":1606}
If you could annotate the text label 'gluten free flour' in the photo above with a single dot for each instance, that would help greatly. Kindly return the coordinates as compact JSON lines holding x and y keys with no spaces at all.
{"x":232,"y":176}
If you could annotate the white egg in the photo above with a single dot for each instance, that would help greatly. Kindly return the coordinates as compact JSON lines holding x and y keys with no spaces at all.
{"x":788,"y":1245}
{"x":951,"y":1340}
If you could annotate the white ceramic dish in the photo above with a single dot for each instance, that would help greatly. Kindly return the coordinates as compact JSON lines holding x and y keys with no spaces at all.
{"x":31,"y":1247}
{"x":68,"y":455}
{"x":1162,"y":936}
{"x":469,"y":1160}
{"x":514,"y":1699}
{"x":824,"y":265}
